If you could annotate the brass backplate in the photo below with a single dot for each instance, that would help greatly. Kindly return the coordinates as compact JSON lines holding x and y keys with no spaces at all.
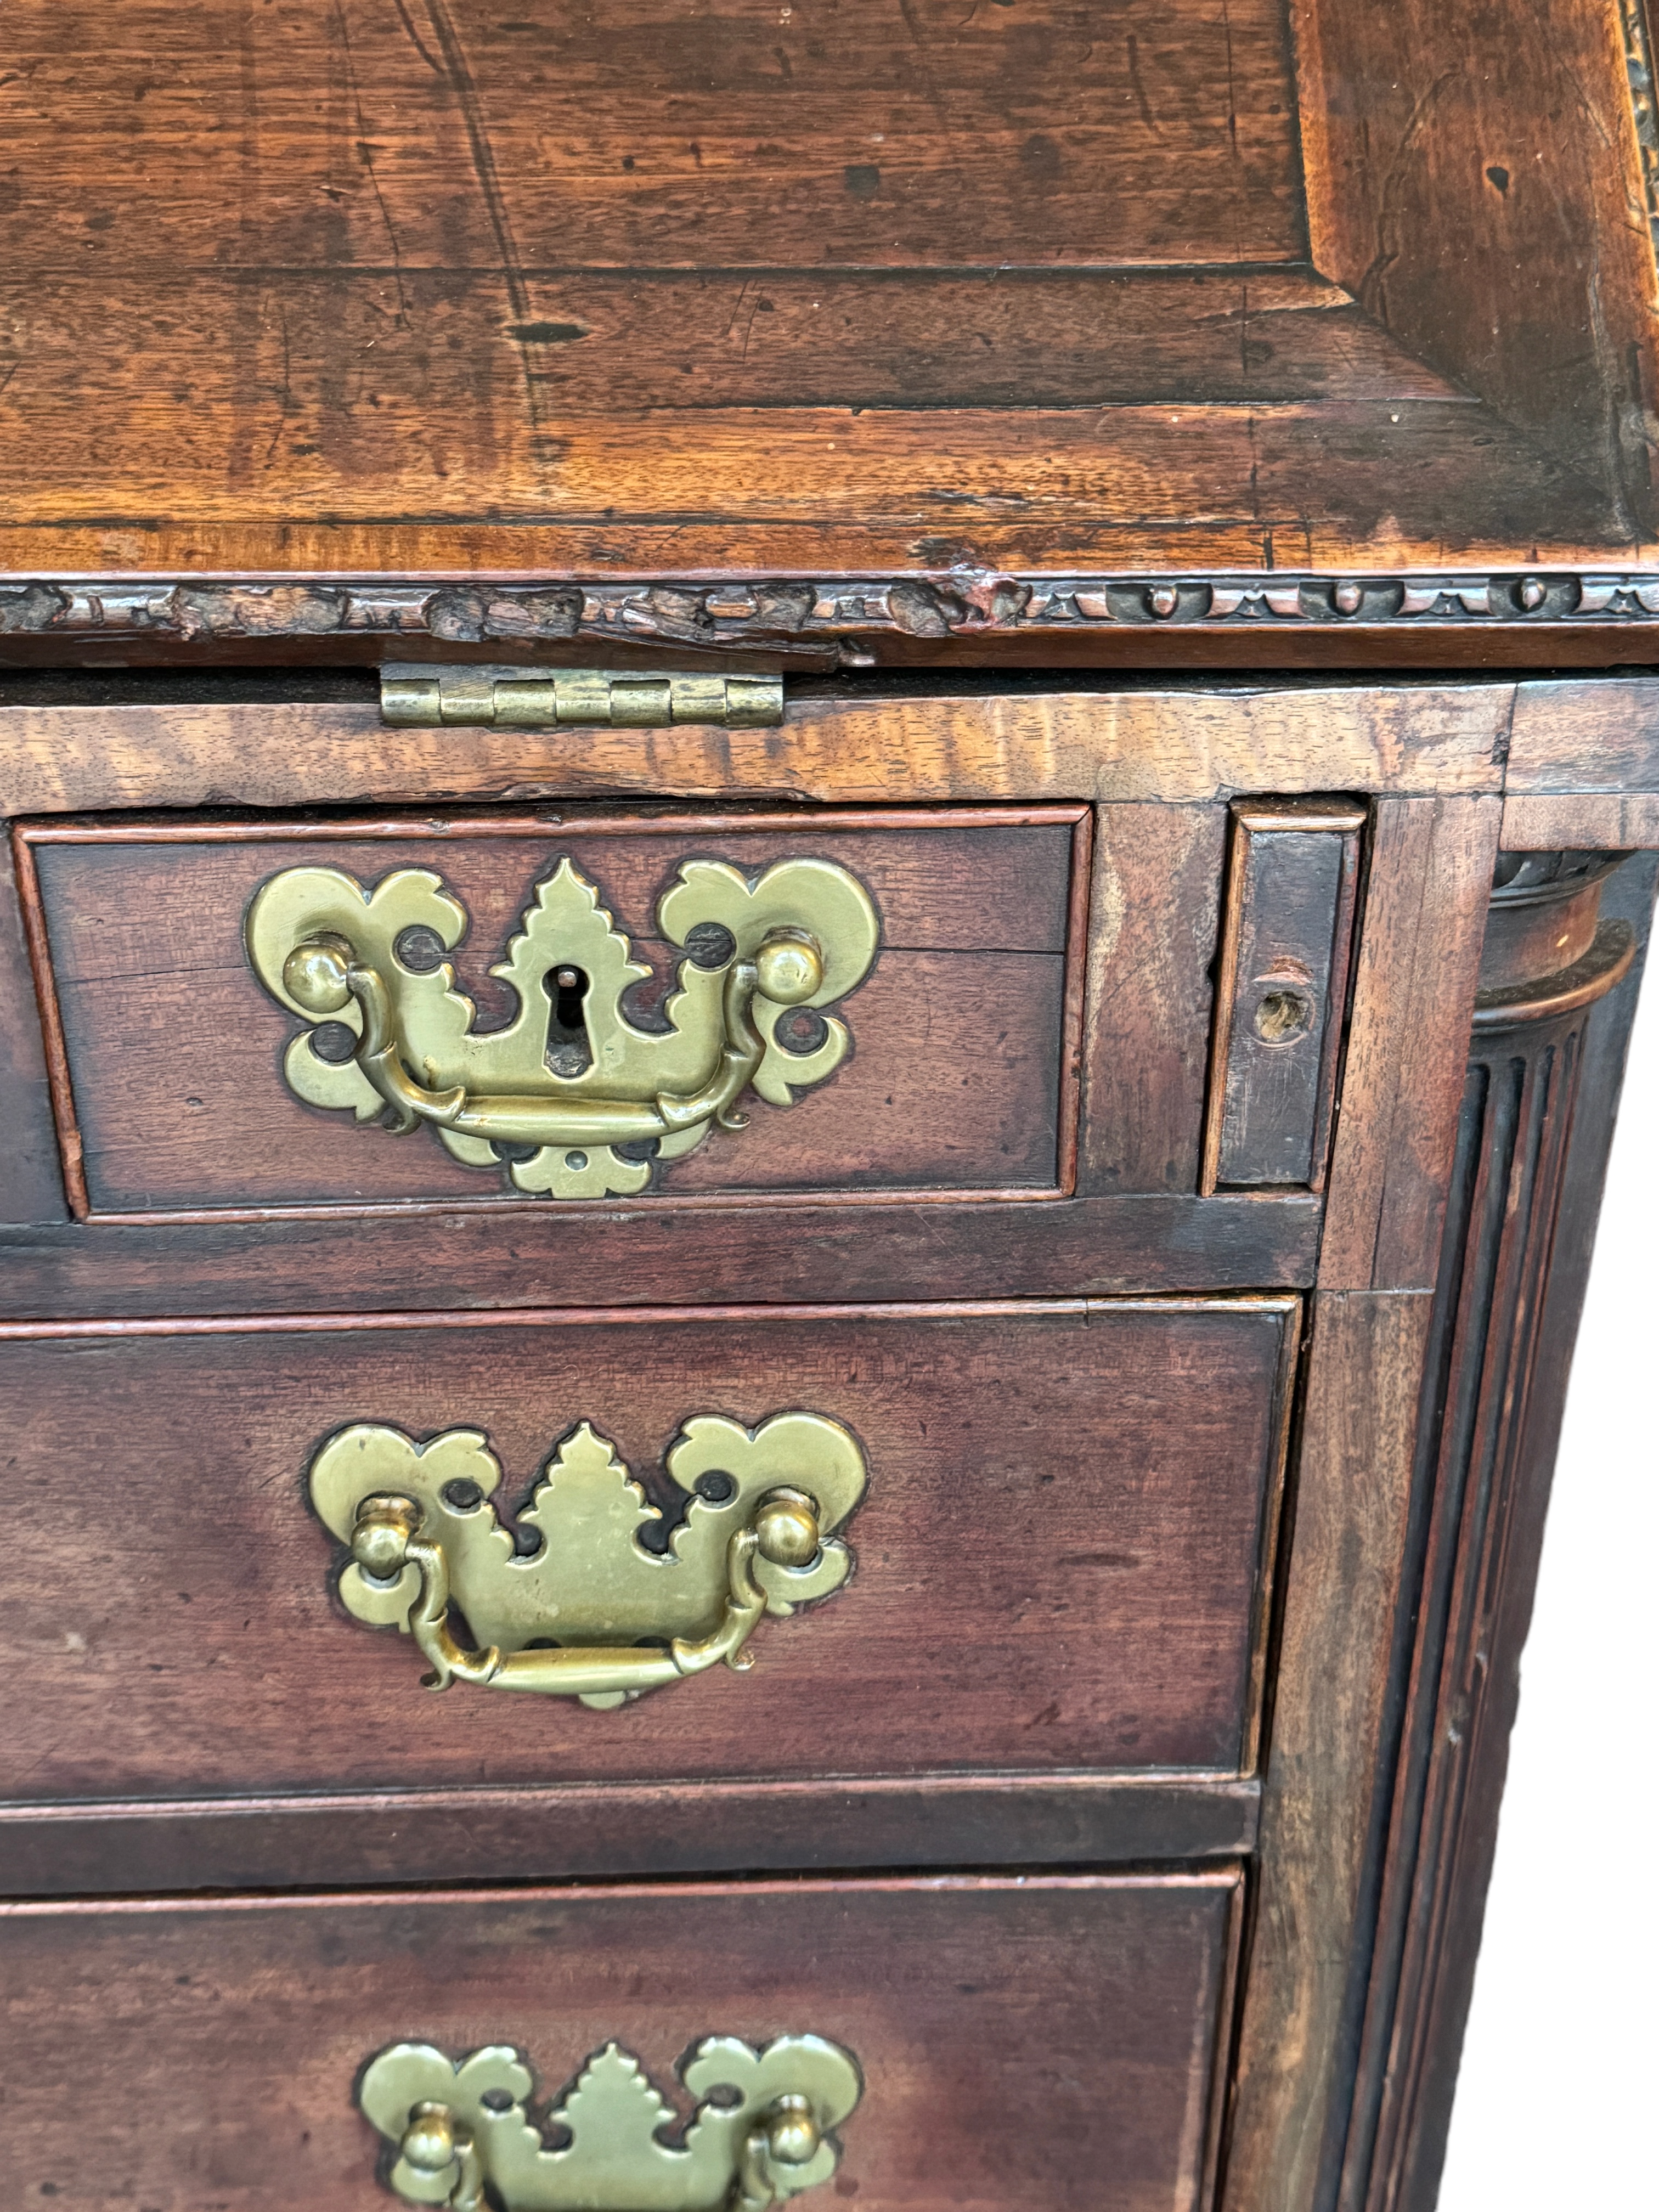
{"x":761,"y":2132}
{"x":591,"y":1612}
{"x":569,"y":1098}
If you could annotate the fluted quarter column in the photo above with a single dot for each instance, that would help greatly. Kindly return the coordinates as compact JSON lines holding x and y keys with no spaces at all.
{"x":1549,"y":958}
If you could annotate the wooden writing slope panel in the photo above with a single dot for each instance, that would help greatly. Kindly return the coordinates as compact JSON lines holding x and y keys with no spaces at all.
{"x":819,"y":327}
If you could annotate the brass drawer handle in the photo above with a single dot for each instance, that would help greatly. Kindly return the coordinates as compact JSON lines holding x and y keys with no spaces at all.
{"x":592,"y":1614}
{"x":761,"y":2132}
{"x":570,"y":1097}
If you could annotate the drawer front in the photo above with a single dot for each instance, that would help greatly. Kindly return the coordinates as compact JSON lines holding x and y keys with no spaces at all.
{"x":607,"y":983}
{"x":1052,"y":2042}
{"x":1058,"y":1561}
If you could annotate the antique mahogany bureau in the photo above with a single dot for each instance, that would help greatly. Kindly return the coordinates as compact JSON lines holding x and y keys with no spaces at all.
{"x":829,"y":826}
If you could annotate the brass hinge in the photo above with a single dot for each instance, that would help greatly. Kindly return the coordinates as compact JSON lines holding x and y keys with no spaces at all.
{"x":546,"y":698}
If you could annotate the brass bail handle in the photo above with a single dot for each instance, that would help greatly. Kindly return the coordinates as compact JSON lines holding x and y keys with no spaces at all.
{"x":467,"y":2131}
{"x":788,"y":2137}
{"x":433,"y":2141}
{"x":388,"y":1536}
{"x":324,"y":974}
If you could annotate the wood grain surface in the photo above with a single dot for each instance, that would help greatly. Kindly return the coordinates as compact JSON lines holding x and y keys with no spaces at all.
{"x":1060,"y":1559}
{"x":708,"y":294}
{"x":1282,"y":993}
{"x":1589,"y":822}
{"x":959,"y":1039}
{"x":468,"y":1257}
{"x":1411,"y":2174}
{"x":349,"y":141}
{"x":31,"y":1176}
{"x":782,"y":493}
{"x":634,"y":340}
{"x":1156,"y":890}
{"x":1423,"y":125}
{"x":521,"y":273}
{"x":1054,"y":2039}
{"x":1582,"y":736}
{"x":611,"y":1831}
{"x":1419,"y":954}
{"x":1048,"y":741}
{"x":1346,"y":1595}
{"x":1304,"y":1976}
{"x":1533,"y":1141}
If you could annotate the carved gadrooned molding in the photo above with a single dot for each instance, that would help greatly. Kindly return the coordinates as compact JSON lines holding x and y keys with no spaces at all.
{"x":770,"y":614}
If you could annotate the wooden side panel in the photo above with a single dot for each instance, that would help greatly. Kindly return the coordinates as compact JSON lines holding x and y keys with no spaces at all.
{"x":1532,"y":1147}
{"x":1351,"y":1500}
{"x":1054,"y":2040}
{"x":1592,"y":735}
{"x":955,"y":1081}
{"x":1282,"y":994}
{"x":1152,"y":938}
{"x":1511,"y":132}
{"x":31,"y":1179}
{"x":1059,"y":1561}
{"x":1592,"y":821}
{"x":1420,"y":953}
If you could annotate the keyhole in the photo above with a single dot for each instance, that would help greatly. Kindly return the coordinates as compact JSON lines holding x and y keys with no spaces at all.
{"x":1281,"y":1016}
{"x":568,"y":1052}
{"x":570,"y":985}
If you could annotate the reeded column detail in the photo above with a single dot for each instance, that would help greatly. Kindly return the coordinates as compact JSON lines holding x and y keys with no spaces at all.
{"x":1548,"y":959}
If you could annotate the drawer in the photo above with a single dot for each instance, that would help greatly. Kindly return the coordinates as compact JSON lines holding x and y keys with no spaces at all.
{"x":615,"y":986}
{"x":1057,"y":1518}
{"x":1049,"y":2042}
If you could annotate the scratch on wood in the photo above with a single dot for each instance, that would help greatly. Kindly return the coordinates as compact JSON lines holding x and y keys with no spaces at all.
{"x":365,"y":152}
{"x":415,"y":40}
{"x":285,"y":396}
{"x":1141,"y":101}
{"x":458,"y":75}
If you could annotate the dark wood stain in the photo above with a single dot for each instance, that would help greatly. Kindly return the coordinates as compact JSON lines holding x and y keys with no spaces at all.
{"x":1526,"y":1179}
{"x":31,"y":1176}
{"x":905,"y":349}
{"x":959,"y":1032}
{"x":1292,"y":878}
{"x":612,"y":1830}
{"x":1157,"y":882}
{"x":1402,"y":145}
{"x":472,"y":1258}
{"x":999,"y":1442}
{"x":1096,"y":2004}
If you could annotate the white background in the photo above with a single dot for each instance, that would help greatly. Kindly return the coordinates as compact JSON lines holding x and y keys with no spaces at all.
{"x":1556,"y":2099}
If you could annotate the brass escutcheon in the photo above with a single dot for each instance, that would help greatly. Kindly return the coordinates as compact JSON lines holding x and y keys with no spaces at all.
{"x":569,"y":1098}
{"x":590,"y":1613}
{"x":761,"y":2133}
